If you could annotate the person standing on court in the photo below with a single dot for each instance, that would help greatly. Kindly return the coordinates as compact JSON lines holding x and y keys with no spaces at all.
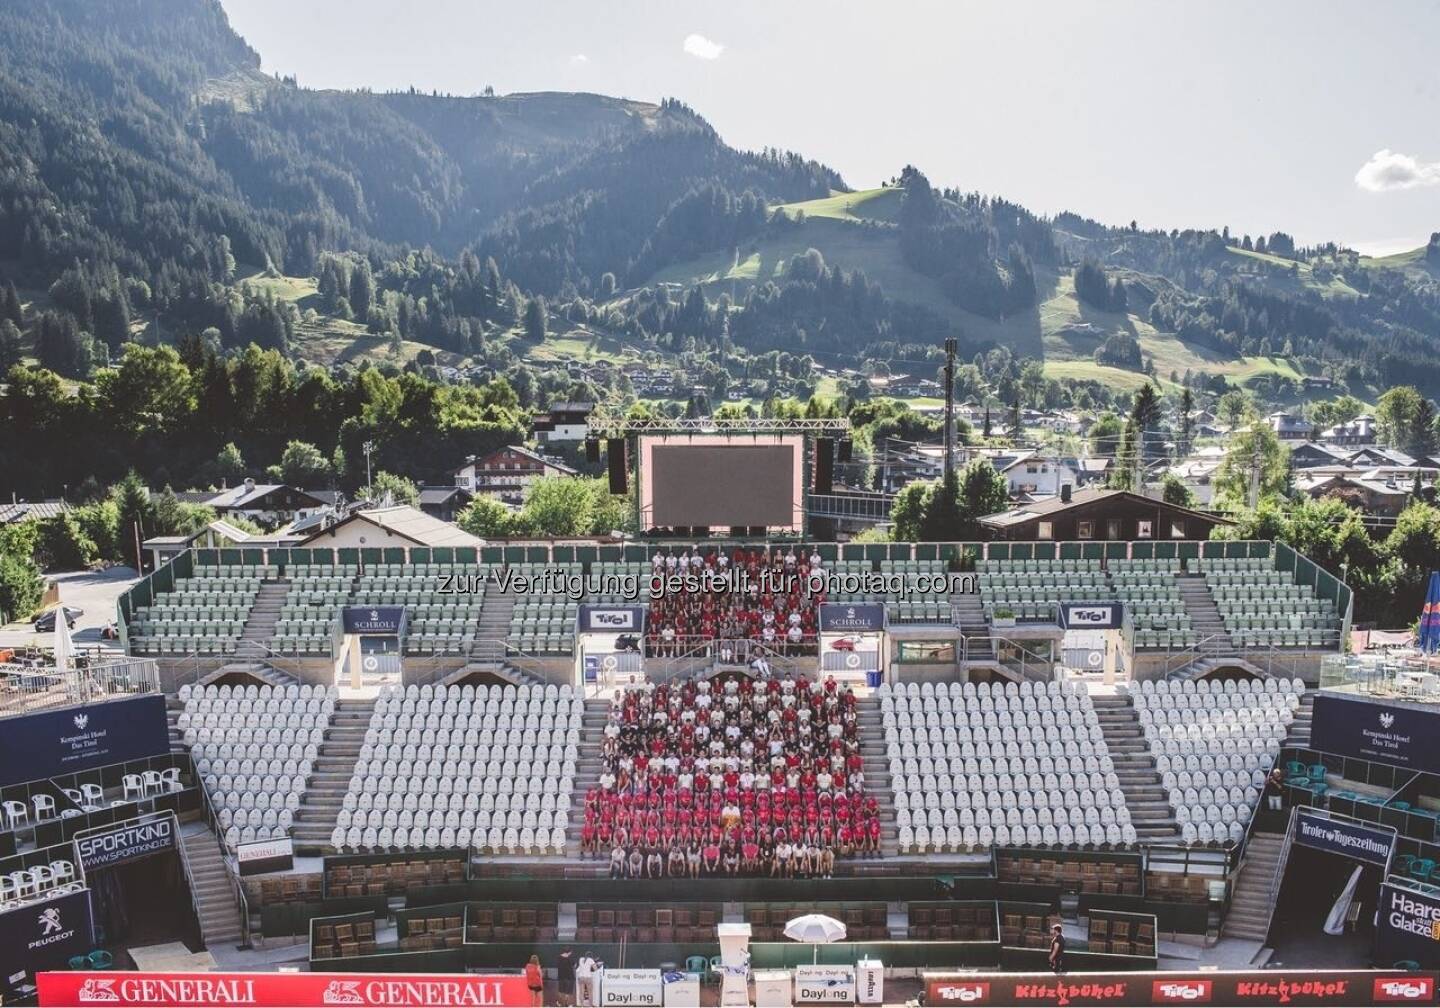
{"x":565,"y":977}
{"x":1057,"y":949}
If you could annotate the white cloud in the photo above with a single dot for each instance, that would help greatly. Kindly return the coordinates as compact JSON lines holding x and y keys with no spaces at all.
{"x":1387,"y":170}
{"x":701,"y":47}
{"x":579,"y":59}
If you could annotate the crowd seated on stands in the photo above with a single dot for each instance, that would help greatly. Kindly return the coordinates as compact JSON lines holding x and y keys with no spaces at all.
{"x":767,"y":596}
{"x":733,"y":776}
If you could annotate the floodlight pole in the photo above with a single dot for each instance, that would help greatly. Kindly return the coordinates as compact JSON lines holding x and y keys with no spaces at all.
{"x":949,"y":407}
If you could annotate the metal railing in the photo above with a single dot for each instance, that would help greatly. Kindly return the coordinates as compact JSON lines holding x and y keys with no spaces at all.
{"x":1032,"y":665}
{"x":237,"y":888}
{"x":25,"y":688}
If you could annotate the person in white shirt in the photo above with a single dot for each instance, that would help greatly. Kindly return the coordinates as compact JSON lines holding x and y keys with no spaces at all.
{"x":658,"y":560}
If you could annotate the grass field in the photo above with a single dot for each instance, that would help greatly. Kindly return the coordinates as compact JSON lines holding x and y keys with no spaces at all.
{"x":868,"y":204}
{"x":1304,"y":275}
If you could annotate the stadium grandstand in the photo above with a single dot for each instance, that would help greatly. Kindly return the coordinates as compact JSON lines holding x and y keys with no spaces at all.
{"x":439,"y":760}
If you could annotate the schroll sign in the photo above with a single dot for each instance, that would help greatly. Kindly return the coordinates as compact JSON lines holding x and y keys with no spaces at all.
{"x":276,"y":990}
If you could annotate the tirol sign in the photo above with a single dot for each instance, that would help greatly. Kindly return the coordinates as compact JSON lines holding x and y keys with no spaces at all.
{"x":1385,"y":733}
{"x":277,"y":990}
{"x":385,"y":621}
{"x":1371,"y":844}
{"x":1091,"y":615}
{"x":852,"y":617}
{"x":611,"y":618}
{"x":72,"y":739}
{"x":1408,"y":926}
{"x":127,"y":841}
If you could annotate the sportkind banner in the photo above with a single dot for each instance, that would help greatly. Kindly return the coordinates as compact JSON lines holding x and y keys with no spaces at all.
{"x":283,"y":990}
{"x":1408,"y":926}
{"x":1372,"y":844}
{"x":1270,"y":987}
{"x":44,"y":935}
{"x":127,"y":841}
{"x":72,"y":739}
{"x":1386,"y":733}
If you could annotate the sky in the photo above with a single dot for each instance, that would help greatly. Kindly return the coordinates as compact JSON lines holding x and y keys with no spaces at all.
{"x":1317,"y":118}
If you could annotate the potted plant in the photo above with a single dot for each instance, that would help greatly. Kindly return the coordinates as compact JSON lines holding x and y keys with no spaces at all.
{"x":1002,"y":617}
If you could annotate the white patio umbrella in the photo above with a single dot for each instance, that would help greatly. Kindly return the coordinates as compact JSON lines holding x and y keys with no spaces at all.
{"x":64,"y":646}
{"x":815,"y":929}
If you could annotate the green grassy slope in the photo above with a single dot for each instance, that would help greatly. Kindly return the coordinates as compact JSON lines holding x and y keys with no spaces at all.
{"x":1060,"y":329}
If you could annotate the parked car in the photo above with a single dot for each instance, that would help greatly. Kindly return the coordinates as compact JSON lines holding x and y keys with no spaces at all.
{"x":45,"y":622}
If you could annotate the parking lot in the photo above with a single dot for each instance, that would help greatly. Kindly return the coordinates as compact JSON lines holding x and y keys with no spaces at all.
{"x":93,"y":591}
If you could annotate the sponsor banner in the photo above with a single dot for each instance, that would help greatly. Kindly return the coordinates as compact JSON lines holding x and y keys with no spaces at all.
{"x":1386,"y":733}
{"x":846,"y":617}
{"x":611,"y":618}
{"x":621,"y":987}
{"x":1408,"y":927}
{"x":1371,"y":844}
{"x":824,"y":984}
{"x":263,"y":856}
{"x":40,"y":936}
{"x":283,"y":990}
{"x":1091,"y":615}
{"x":127,"y":841}
{"x":66,"y":741}
{"x":1270,"y":987}
{"x":385,"y":620}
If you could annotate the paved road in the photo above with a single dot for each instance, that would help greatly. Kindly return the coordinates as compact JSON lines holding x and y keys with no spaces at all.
{"x":93,"y":591}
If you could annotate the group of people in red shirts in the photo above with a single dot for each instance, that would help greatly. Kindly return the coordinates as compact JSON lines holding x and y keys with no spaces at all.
{"x":767,"y":596}
{"x":731,"y":776}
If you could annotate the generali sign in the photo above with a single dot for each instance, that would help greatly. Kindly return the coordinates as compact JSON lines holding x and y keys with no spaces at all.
{"x":282,"y":990}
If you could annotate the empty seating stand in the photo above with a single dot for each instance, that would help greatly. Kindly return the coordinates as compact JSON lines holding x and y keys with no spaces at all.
{"x":666,"y":923}
{"x":976,"y":766}
{"x":1264,"y":607}
{"x":204,"y":615}
{"x":442,"y":602}
{"x":485,"y":767}
{"x":543,"y":623}
{"x":953,"y":922}
{"x":1213,"y":743}
{"x":343,"y":941}
{"x":863,"y":921}
{"x":391,"y":877}
{"x":1151,"y":596}
{"x":316,"y":593}
{"x":254,"y":748}
{"x":513,"y":922}
{"x":1121,"y":934}
{"x":1031,"y":589}
{"x":1088,"y":876}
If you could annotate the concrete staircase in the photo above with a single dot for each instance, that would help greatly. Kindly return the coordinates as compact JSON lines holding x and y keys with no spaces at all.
{"x":1250,"y":897}
{"x":1145,"y":795}
{"x":493,"y":627}
{"x":587,"y":776}
{"x":259,"y":627}
{"x":969,"y":614}
{"x":877,"y":773}
{"x":1299,"y":731}
{"x":330,"y":776}
{"x":1205,"y":618}
{"x":214,"y":894}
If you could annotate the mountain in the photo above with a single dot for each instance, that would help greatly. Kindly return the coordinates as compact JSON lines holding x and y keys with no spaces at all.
{"x":154,"y":183}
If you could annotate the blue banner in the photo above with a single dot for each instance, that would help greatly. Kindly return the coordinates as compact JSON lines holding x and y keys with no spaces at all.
{"x":1371,"y":844}
{"x":72,"y":739}
{"x":1430,"y":617}
{"x":127,"y":841}
{"x":1396,"y":734}
{"x":385,"y":620}
{"x":852,"y":617}
{"x":40,"y":936}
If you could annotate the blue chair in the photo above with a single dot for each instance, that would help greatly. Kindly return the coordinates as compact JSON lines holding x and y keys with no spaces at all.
{"x":1403,"y":806}
{"x":1422,"y":869}
{"x":1403,"y":863}
{"x":101,"y":960}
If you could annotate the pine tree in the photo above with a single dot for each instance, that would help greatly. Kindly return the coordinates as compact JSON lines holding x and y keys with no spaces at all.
{"x":362,"y":291}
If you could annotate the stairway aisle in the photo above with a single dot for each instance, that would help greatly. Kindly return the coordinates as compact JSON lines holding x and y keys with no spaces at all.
{"x":1205,"y":618}
{"x":1250,"y":908}
{"x":1145,"y":796}
{"x":214,"y":895}
{"x":968,"y":610}
{"x":877,"y":773}
{"x":587,"y":776}
{"x":330,"y":776}
{"x":1298,"y":733}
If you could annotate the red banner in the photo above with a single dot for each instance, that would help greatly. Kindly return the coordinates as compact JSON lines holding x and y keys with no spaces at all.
{"x":283,"y":990}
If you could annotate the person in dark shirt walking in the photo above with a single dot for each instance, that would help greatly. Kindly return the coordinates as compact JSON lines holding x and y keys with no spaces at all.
{"x":565,"y":977}
{"x":1057,"y":949}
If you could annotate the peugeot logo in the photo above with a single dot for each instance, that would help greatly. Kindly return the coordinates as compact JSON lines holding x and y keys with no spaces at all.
{"x":50,"y":921}
{"x":81,"y":720}
{"x":1386,"y":720}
